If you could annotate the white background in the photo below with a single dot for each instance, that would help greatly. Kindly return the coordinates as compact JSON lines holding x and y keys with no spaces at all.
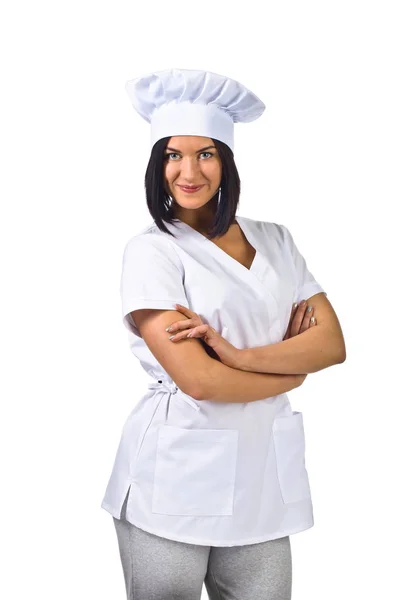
{"x":330,"y":158}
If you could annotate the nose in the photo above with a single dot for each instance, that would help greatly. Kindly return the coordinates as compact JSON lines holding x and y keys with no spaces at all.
{"x":189,"y":169}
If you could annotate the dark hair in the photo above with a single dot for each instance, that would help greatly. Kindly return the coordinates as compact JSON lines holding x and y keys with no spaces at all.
{"x":160,"y":205}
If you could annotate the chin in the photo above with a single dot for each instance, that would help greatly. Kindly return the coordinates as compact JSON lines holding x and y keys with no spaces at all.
{"x":190,"y":199}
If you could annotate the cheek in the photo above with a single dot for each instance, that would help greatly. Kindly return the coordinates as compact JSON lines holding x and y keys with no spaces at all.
{"x":212,"y":171}
{"x":170,"y":172}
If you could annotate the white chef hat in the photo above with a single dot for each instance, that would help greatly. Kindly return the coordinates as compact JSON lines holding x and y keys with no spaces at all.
{"x":191,"y":102}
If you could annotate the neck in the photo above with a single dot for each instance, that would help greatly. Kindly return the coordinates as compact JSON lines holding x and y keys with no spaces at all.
{"x":200,"y":219}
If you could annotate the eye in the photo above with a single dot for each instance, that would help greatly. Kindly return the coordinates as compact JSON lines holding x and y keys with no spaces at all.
{"x":171,"y":154}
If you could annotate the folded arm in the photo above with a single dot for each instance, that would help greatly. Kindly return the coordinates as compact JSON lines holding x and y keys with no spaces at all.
{"x":315,"y":349}
{"x":197,"y":374}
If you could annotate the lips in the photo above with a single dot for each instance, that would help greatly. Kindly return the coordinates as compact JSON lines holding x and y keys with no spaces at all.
{"x":190,"y":189}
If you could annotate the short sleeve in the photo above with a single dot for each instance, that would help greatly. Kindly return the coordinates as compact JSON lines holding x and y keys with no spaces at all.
{"x":307,"y":285}
{"x":152,"y":277}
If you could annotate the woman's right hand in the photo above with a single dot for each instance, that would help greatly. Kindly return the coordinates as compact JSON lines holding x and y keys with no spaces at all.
{"x":298,"y":323}
{"x":300,"y":320}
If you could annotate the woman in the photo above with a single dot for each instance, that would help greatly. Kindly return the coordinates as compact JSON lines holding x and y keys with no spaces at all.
{"x":209,"y":479}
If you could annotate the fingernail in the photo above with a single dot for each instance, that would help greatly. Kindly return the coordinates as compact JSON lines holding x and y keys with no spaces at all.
{"x":312,"y":319}
{"x":171,"y":337}
{"x":295,"y":305}
{"x":309,"y":309}
{"x":169,"y":328}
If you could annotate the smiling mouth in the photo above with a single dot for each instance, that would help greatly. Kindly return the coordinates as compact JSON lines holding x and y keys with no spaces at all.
{"x":192,"y":189}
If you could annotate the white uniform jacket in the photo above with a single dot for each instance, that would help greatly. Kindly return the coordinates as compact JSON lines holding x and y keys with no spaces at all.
{"x":203,"y":472}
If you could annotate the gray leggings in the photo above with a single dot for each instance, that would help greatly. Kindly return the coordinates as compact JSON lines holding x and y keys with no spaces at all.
{"x":156,"y":568}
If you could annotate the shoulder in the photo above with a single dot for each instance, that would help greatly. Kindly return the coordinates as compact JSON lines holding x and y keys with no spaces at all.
{"x":267,"y":230}
{"x":153,"y":246}
{"x":144,"y":236}
{"x":149,"y":236}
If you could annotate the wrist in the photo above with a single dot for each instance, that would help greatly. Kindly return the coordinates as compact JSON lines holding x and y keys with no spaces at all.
{"x":242,"y":360}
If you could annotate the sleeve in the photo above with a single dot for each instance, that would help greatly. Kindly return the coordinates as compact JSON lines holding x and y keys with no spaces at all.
{"x":152,"y":277}
{"x":306,"y":284}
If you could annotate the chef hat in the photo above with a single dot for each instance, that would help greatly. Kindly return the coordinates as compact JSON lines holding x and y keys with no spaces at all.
{"x":190,"y":102}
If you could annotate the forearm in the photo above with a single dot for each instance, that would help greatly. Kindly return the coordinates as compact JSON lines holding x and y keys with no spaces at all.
{"x":225,"y":384}
{"x":313,"y":350}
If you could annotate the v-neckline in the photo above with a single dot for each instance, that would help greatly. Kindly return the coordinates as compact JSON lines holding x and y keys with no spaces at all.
{"x":240,"y":221}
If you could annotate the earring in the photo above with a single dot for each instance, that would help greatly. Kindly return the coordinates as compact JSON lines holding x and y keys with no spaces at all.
{"x":220,"y":195}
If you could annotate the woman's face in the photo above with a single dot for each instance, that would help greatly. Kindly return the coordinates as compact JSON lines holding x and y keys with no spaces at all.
{"x":191,"y":160}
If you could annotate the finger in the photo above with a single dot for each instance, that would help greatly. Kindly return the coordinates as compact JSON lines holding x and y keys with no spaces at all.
{"x":299,"y":316}
{"x":210,"y":333}
{"x":201,"y":331}
{"x":184,"y":309}
{"x":178,"y":325}
{"x":292,"y":315}
{"x":196,"y":332}
{"x":295,"y":307}
{"x":305,"y":321}
{"x":180,"y":335}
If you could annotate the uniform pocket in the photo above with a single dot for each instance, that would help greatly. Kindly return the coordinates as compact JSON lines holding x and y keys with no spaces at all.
{"x":289,"y":439}
{"x":195,"y":471}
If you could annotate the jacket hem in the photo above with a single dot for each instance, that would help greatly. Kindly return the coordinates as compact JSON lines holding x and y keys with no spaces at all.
{"x":208,"y":541}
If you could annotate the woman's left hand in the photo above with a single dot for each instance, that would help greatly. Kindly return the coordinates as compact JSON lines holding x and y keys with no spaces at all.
{"x":194,"y":326}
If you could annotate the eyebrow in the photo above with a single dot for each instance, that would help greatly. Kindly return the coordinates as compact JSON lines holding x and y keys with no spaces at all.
{"x":201,"y":149}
